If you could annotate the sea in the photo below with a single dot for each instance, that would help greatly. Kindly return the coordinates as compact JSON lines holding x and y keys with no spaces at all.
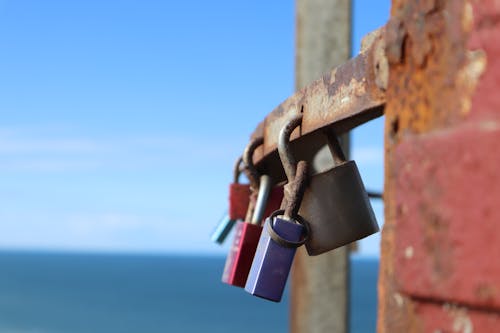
{"x":42,"y":292}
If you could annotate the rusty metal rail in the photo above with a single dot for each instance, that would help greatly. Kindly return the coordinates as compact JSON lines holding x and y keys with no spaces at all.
{"x":344,"y":98}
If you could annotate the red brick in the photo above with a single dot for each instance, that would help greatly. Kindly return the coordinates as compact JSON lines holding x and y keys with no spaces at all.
{"x":433,"y":318}
{"x":447,"y":223}
{"x":485,"y":37}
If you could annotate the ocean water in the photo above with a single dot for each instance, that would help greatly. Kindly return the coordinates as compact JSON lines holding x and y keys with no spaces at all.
{"x":68,"y":292}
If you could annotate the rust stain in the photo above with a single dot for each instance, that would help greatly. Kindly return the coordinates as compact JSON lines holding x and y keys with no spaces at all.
{"x":430,"y":65}
{"x":432,"y":78}
{"x":351,"y":93}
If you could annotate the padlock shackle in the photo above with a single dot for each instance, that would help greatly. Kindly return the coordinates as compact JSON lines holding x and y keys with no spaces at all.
{"x":335,"y":147}
{"x":250,"y":170}
{"x":295,"y":172}
{"x":237,"y":170}
{"x":284,"y":149}
{"x":295,"y":191}
{"x":262,"y":198}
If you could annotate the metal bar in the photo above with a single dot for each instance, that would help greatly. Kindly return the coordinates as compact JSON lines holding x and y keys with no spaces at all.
{"x":375,"y":195}
{"x":347,"y":96}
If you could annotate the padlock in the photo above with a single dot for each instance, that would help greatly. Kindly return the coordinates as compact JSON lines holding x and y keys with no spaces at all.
{"x":238,"y":191}
{"x":239,"y":197}
{"x":246,"y":237}
{"x":274,"y":201}
{"x":335,"y":203}
{"x":222,"y":229}
{"x":273,"y":261}
{"x":284,"y":232}
{"x":247,"y":233}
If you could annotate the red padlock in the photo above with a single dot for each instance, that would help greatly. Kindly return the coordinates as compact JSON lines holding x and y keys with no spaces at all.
{"x":247,"y":233}
{"x":274,"y":201}
{"x":239,"y":195}
{"x":246,"y":238}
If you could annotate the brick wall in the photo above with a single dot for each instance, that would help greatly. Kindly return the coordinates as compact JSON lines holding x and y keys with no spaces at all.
{"x":440,"y":265}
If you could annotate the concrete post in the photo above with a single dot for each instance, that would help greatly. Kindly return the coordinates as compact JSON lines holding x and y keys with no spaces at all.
{"x":319,"y":296}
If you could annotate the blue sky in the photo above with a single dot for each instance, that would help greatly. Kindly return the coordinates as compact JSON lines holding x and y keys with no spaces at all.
{"x":121,"y":119}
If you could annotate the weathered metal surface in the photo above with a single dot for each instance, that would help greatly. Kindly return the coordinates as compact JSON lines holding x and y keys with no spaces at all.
{"x":248,"y":158}
{"x":347,"y":96}
{"x":338,"y":209}
{"x":286,"y":156}
{"x":295,"y":191}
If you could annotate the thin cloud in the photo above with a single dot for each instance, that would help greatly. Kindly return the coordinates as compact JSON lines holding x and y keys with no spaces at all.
{"x":40,"y":146}
{"x":47,"y":164}
{"x":47,"y":152}
{"x":107,"y":222}
{"x":115,"y":231}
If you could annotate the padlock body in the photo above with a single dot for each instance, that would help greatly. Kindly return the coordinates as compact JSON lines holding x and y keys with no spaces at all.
{"x":239,"y":199}
{"x":274,"y":201}
{"x":241,"y":253}
{"x":337,"y":208}
{"x":222,"y":229}
{"x":272,"y":262}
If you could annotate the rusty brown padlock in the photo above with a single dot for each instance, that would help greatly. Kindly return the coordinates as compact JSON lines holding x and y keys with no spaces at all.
{"x":335,"y":204}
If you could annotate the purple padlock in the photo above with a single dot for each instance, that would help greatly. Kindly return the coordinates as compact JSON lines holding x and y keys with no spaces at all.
{"x":285,"y":229}
{"x":273,"y":261}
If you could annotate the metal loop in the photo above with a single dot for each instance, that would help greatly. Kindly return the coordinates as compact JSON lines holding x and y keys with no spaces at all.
{"x":284,"y":149}
{"x":250,"y":170}
{"x":265,"y":186}
{"x":295,"y":172}
{"x":295,"y":189}
{"x":237,"y":169}
{"x":280,"y":240}
{"x":335,"y":147}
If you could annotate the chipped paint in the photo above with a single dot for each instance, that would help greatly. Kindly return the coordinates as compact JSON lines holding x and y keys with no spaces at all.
{"x":409,"y":252}
{"x":399,"y":299}
{"x":468,"y":77}
{"x":461,"y":321}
